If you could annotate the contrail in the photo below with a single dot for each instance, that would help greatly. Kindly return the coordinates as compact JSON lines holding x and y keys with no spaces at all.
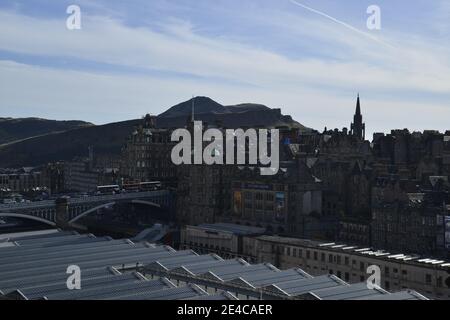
{"x":367,"y":35}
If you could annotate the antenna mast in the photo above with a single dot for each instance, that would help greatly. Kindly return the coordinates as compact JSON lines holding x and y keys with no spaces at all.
{"x":193,"y":109}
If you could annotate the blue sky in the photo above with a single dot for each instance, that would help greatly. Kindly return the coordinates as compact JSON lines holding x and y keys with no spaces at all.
{"x":138,"y":56}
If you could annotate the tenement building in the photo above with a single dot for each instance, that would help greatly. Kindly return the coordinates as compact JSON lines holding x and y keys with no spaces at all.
{"x":411,"y":218}
{"x":85,"y":174}
{"x":350,"y":263}
{"x":80,"y":176}
{"x":383,"y":194}
{"x":287,"y":203}
{"x":223,"y":239}
{"x":21,"y":180}
{"x":146,"y":154}
{"x":203,"y":193}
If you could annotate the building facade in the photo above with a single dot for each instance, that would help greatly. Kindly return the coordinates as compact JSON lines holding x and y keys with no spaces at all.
{"x":21,"y":180}
{"x":398,"y":271}
{"x":79,"y":176}
{"x":223,"y":239}
{"x":288,"y":203}
{"x":146,"y":156}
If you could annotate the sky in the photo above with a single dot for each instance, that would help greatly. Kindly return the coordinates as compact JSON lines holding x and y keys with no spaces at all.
{"x":308,"y":57}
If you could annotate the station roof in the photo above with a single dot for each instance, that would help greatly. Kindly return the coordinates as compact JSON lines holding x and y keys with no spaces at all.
{"x":34,"y":266}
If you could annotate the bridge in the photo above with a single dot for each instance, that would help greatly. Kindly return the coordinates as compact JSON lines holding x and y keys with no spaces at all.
{"x":64,"y":212}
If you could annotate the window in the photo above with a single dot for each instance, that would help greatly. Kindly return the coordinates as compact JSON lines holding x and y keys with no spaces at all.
{"x":330,"y":258}
{"x":294,"y":253}
{"x":315,"y":255}
{"x":428,"y":279}
{"x":338,"y":259}
{"x":361,"y":267}
{"x":439,"y":282}
{"x":308,"y":254}
{"x":347,"y":261}
{"x":323,"y":257}
{"x":347,"y":276}
{"x":288,"y":251}
{"x":339,"y":274}
{"x":387,"y":285}
{"x":386,"y":271}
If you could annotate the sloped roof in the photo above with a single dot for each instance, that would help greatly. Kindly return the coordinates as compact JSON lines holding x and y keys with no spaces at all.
{"x":35,"y":268}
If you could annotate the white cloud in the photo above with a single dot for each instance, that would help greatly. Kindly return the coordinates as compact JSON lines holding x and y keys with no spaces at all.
{"x":38,"y":91}
{"x":314,"y":90}
{"x":180,"y":50}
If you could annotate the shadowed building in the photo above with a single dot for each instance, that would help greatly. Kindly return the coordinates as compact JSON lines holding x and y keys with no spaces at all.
{"x":146,"y":155}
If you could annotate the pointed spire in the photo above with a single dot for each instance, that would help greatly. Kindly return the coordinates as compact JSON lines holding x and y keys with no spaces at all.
{"x":358,"y":106}
{"x":358,"y":128}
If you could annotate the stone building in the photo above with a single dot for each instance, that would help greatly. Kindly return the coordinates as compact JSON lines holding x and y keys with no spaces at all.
{"x":342,"y":161}
{"x":223,"y":239}
{"x":79,"y":176}
{"x":54,"y":177}
{"x":21,"y":180}
{"x":203,"y":193}
{"x":411,"y":218}
{"x":350,"y":263}
{"x":287,"y":203}
{"x":146,"y":154}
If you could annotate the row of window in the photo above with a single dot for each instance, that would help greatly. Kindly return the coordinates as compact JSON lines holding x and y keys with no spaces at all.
{"x":337,"y":259}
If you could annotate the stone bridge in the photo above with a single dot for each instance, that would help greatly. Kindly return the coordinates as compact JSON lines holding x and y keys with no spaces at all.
{"x":64,"y":212}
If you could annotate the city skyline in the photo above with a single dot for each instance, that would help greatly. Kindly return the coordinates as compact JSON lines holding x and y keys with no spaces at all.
{"x":129,"y":60}
{"x":247,"y":152}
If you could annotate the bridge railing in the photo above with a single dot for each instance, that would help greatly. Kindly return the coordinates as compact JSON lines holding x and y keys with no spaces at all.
{"x":120,"y":196}
{"x":25,"y":205}
{"x":90,"y":199}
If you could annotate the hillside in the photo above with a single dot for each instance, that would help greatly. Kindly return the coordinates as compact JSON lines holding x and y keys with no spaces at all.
{"x":19,"y":129}
{"x":201,"y":105}
{"x":40,"y":147}
{"x":106,"y":140}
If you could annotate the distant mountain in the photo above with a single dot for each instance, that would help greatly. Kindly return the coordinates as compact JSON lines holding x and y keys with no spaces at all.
{"x":19,"y":129}
{"x":235,"y":116}
{"x":201,"y":105}
{"x":62,"y":141}
{"x":244,"y":107}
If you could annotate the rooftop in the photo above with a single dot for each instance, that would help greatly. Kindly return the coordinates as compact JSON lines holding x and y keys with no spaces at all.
{"x":231,"y":228}
{"x":362,"y":251}
{"x":34,"y":266}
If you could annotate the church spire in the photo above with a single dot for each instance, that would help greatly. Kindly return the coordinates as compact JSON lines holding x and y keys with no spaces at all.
{"x":358,"y":128}
{"x":358,"y":106}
